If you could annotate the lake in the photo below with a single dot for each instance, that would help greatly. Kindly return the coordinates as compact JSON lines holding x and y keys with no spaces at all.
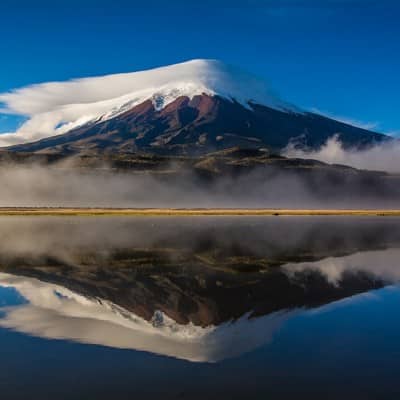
{"x":199,"y":307}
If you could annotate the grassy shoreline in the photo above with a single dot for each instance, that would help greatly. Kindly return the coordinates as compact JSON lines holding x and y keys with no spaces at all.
{"x":44,"y":211}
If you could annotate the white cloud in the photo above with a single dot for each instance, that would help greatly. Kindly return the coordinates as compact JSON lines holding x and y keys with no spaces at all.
{"x":381,"y":157}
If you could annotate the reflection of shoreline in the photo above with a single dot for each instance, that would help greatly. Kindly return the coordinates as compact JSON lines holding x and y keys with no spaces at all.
{"x":54,"y":312}
{"x":4,"y":211}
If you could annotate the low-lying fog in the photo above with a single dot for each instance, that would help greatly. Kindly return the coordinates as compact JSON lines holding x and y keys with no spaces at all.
{"x":45,"y":186}
{"x":65,"y":185}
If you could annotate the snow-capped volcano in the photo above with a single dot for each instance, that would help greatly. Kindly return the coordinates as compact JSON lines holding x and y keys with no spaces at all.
{"x":57,"y":107}
{"x":192,"y":107}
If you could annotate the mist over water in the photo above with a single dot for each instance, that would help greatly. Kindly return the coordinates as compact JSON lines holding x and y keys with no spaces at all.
{"x":64,"y":186}
{"x":40,"y":239}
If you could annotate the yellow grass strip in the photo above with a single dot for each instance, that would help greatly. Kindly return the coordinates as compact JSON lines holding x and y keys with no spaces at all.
{"x":192,"y":212}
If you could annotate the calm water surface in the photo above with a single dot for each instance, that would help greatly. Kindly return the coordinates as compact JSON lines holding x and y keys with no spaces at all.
{"x":199,"y":308}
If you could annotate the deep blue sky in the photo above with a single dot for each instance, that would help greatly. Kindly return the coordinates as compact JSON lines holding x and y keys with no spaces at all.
{"x":340,"y":56}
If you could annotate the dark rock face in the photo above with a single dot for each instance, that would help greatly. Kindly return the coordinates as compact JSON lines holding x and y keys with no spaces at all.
{"x":198,"y":126}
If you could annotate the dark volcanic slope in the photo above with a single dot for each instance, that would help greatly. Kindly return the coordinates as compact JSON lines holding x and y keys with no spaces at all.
{"x":198,"y":126}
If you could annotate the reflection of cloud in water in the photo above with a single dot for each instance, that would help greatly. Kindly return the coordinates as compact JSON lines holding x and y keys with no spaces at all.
{"x":383,"y":264}
{"x":55,"y":312}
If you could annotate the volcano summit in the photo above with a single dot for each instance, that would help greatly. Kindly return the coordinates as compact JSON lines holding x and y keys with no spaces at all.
{"x":191,"y":108}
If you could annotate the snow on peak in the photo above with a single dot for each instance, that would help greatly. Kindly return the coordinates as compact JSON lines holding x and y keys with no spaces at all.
{"x":212,"y":77}
{"x":55,"y":107}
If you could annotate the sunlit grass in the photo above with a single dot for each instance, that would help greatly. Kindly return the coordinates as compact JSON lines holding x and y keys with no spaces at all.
{"x":193,"y":212}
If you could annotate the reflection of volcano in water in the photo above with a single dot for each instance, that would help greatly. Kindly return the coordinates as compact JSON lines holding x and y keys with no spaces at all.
{"x":58,"y":313}
{"x":53,"y":311}
{"x":201,"y":292}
